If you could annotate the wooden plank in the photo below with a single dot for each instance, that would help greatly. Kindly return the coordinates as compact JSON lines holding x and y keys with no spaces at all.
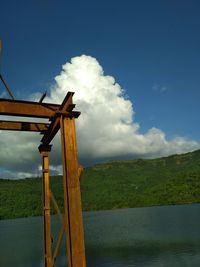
{"x":72,"y":199}
{"x":24,"y":126}
{"x":54,"y":127}
{"x":27,"y":108}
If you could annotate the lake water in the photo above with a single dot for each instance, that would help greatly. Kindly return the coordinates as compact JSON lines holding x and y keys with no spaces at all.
{"x":154,"y":237}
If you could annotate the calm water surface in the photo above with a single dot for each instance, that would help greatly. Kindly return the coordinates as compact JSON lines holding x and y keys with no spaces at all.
{"x":154,"y":237}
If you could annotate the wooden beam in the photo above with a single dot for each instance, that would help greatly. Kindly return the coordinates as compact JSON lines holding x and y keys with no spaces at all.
{"x":72,"y":195}
{"x":24,"y":126}
{"x":27,"y":108}
{"x":54,"y":127}
{"x":44,"y":150}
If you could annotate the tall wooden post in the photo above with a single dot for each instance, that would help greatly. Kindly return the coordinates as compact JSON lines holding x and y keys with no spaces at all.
{"x":72,"y":195}
{"x":44,"y":150}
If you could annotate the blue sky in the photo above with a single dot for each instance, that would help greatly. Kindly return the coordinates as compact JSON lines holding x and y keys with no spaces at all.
{"x":151,"y":48}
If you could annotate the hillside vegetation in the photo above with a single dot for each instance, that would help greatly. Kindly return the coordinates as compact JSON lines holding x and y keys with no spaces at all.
{"x":120,"y":184}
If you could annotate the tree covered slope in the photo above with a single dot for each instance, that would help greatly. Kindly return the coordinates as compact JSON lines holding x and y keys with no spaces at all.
{"x":120,"y":184}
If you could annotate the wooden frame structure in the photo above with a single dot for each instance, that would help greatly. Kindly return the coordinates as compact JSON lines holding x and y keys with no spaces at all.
{"x":61,"y":117}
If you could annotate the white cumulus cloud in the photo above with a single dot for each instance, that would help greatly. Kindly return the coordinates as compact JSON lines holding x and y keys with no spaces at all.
{"x":106,"y":128}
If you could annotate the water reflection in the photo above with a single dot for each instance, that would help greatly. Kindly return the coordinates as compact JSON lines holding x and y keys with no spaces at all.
{"x":157,"y":236}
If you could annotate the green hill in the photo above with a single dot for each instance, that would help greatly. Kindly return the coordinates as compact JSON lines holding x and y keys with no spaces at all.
{"x":119,"y":184}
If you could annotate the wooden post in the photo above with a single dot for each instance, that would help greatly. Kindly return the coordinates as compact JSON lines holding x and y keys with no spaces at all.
{"x":44,"y":150}
{"x":72,"y":195}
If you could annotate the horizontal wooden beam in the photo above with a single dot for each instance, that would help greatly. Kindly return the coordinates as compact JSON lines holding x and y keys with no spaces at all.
{"x":24,"y":126}
{"x":27,"y":108}
{"x":66,"y":107}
